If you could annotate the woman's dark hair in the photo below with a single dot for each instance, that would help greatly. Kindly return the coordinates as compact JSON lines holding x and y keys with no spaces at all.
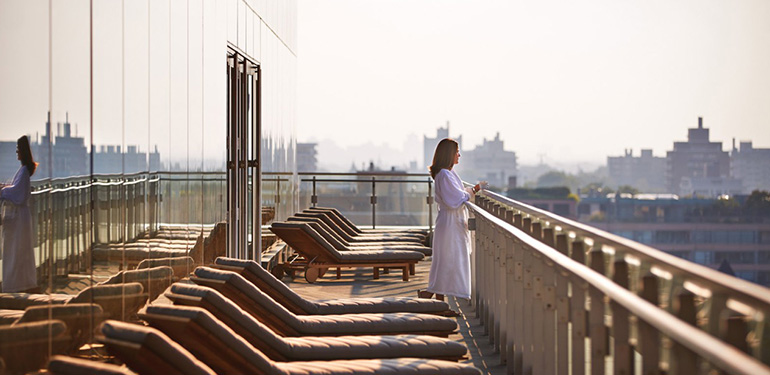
{"x":26,"y":154}
{"x":444,"y":156}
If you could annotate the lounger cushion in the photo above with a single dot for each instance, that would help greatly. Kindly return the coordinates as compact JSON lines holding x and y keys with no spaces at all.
{"x":20,"y":301}
{"x":333,"y":324}
{"x":181,"y":265}
{"x":155,"y":280}
{"x":276,"y":285}
{"x":8,"y":316}
{"x":135,"y":254}
{"x":340,"y":244}
{"x":63,"y":365}
{"x":31,"y":331}
{"x":97,"y":292}
{"x":339,"y":306}
{"x":222,"y":334}
{"x":233,"y":311}
{"x":64,"y":312}
{"x":160,"y":272}
{"x":156,"y":342}
{"x":400,"y":366}
{"x":349,"y":256}
{"x":340,"y":218}
{"x":360,"y":237}
{"x":324,"y":348}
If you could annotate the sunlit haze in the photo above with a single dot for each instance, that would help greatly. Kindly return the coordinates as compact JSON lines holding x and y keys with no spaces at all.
{"x":562,"y":81}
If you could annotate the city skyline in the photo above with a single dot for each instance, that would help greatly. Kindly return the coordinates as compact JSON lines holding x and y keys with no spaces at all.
{"x":575,"y":82}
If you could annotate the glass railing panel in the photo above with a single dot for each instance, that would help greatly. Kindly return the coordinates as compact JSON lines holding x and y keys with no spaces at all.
{"x":372,"y":199}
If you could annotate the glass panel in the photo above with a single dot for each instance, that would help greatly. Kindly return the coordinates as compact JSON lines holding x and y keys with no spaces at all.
{"x":126,"y":116}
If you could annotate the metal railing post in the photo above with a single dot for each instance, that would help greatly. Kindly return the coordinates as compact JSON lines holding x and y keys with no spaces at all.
{"x":429,"y":199}
{"x":314,"y":197}
{"x":374,"y":201}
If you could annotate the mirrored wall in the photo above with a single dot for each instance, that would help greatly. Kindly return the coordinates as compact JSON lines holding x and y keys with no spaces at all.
{"x":126,"y":107}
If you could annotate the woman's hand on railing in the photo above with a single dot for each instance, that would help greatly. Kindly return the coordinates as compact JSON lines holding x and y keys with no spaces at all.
{"x":481,"y":185}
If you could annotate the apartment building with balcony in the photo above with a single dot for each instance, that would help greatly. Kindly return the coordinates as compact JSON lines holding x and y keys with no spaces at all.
{"x":751,"y":166}
{"x":700,"y":166}
{"x":701,"y":230}
{"x":644,"y":172}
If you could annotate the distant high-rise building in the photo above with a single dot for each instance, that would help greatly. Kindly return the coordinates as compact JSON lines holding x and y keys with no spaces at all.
{"x":63,"y":155}
{"x":429,"y":144}
{"x":114,"y":159}
{"x":647,"y":173}
{"x":752,"y":166}
{"x":488,"y":162}
{"x":307,"y":157}
{"x":70,"y":156}
{"x":699,"y":166}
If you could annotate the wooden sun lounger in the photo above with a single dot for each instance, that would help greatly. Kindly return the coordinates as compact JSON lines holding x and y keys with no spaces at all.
{"x":319,"y":254}
{"x":147,"y":350}
{"x":119,"y":301}
{"x":285,"y":323}
{"x":80,"y":320}
{"x":155,"y":280}
{"x":277,"y":290}
{"x":63,"y":365}
{"x":180,"y":319}
{"x":355,"y":238}
{"x":24,"y":347}
{"x":340,"y":244}
{"x":347,"y":225}
{"x":182,"y":266}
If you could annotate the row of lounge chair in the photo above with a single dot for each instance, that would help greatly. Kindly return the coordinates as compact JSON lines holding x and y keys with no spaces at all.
{"x":325,"y":239}
{"x":263,"y":337}
{"x":188,"y":337}
{"x":266,"y":328}
{"x":30,"y":322}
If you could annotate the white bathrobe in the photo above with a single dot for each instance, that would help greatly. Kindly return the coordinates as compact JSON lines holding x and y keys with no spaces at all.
{"x":450,"y":270}
{"x":18,"y":257}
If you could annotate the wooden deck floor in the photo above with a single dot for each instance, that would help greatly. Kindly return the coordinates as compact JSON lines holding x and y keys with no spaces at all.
{"x":359,"y":283}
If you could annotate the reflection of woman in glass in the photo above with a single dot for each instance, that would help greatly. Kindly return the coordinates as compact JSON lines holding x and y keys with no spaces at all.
{"x":450,"y":269}
{"x":19,"y":274}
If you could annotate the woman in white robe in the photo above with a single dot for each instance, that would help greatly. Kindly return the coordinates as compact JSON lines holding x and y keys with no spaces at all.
{"x":19,"y":272}
{"x":450,"y":269}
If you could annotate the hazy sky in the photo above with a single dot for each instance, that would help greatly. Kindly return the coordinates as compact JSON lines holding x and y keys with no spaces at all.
{"x":574,"y":81}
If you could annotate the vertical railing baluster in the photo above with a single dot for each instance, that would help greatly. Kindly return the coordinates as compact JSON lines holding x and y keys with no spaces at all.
{"x":510,"y":306}
{"x":489,"y":297}
{"x":549,"y":316}
{"x":519,"y":339}
{"x":578,"y":314}
{"x":538,"y":312}
{"x":684,"y":360}
{"x":528,"y":309}
{"x":510,"y":298}
{"x":649,"y":337}
{"x":622,"y":355}
{"x":597,"y":327}
{"x":562,"y":311}
{"x":538,"y":304}
{"x":734,"y":331}
{"x":500,"y":280}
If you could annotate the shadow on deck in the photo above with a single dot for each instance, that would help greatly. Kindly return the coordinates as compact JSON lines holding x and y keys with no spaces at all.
{"x":359,"y":283}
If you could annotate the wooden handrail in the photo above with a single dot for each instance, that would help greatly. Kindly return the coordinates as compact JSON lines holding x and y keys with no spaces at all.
{"x":720,"y":354}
